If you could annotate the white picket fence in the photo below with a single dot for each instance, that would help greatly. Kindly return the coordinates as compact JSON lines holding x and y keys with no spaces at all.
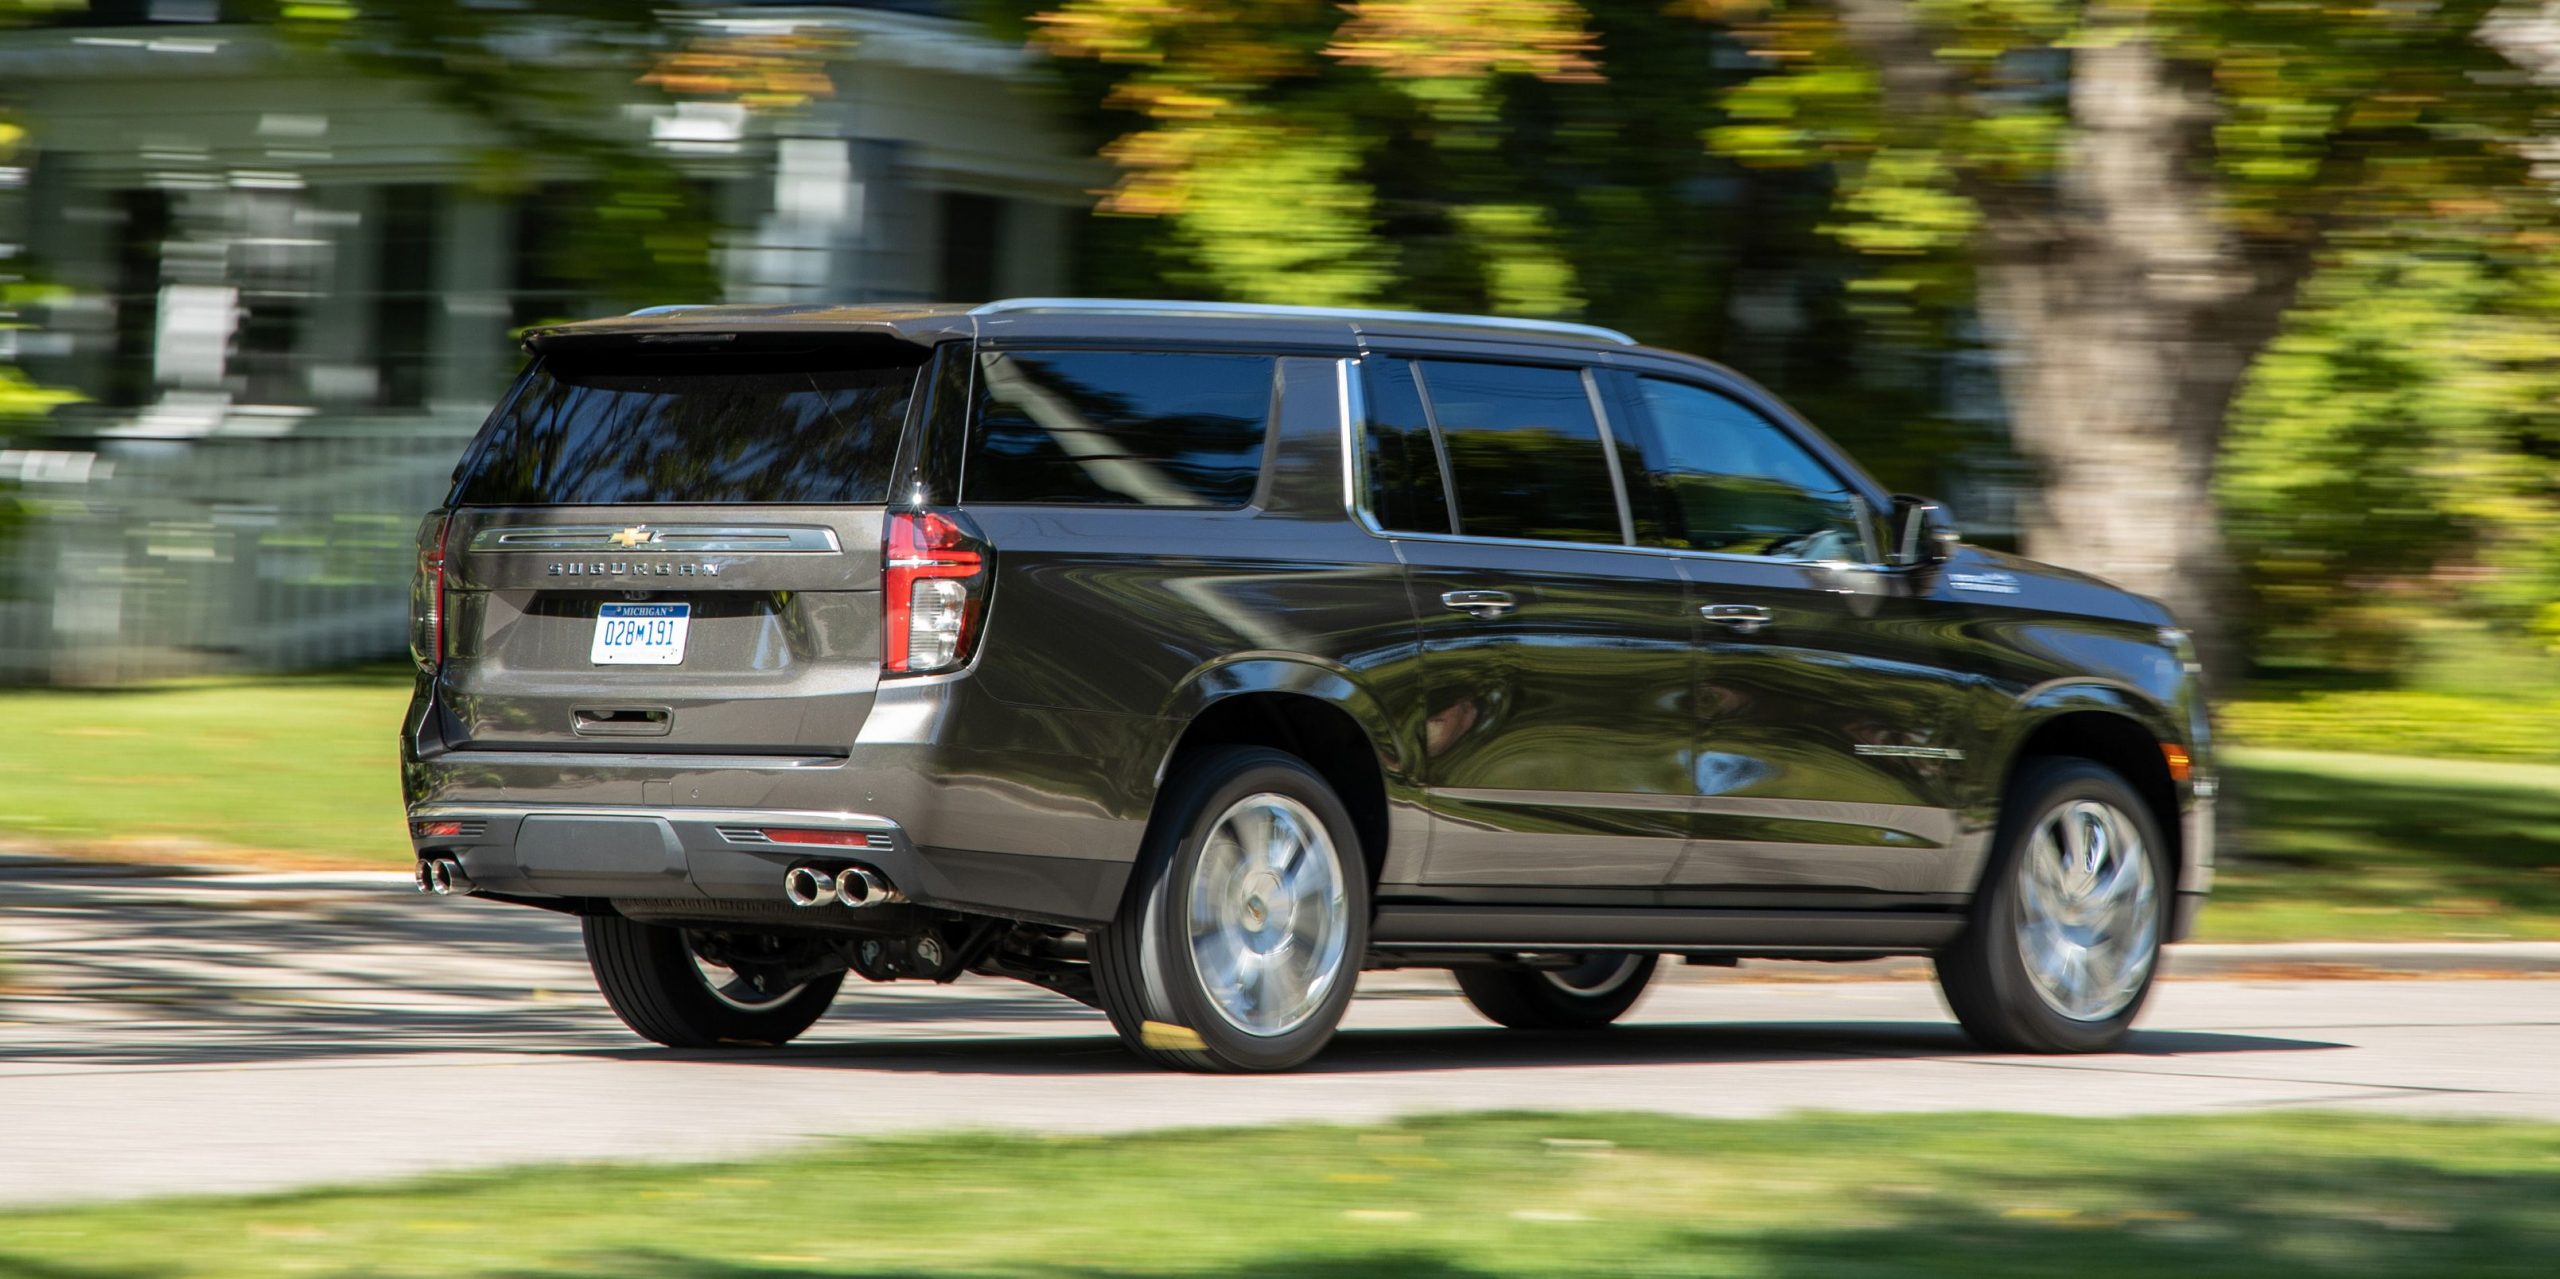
{"x":152,"y":559}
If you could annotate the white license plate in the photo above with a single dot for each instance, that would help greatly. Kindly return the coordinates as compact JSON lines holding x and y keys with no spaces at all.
{"x":640,"y":634}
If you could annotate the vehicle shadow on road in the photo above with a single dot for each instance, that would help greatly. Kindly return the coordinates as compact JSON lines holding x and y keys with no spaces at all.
{"x":1374,"y":1051}
{"x":126,"y":975}
{"x":133,"y":975}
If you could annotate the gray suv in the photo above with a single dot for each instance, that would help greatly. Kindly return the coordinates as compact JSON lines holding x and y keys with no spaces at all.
{"x":1189,"y":659}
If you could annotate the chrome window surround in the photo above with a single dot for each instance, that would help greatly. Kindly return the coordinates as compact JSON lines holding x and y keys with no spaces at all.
{"x":1355,"y":418}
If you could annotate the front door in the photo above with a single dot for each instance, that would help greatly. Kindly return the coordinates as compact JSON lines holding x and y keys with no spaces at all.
{"x":1828,"y":752}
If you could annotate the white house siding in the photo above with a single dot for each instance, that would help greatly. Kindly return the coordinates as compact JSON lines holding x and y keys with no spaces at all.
{"x":240,"y":493}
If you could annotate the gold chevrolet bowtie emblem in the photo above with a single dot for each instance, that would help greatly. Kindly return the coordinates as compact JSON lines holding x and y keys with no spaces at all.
{"x":636,"y":535}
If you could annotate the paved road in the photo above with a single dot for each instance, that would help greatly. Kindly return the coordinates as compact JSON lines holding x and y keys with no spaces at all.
{"x":168,"y":1036}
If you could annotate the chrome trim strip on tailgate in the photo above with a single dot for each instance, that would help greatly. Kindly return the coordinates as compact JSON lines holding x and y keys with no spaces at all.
{"x":784,"y":539}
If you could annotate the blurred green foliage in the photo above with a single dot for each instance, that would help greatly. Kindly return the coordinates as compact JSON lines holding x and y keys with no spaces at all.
{"x":2517,"y":725}
{"x":23,"y":403}
{"x":1812,"y":190}
{"x":1442,"y":1197}
{"x":1518,"y":157}
{"x":2394,"y":467}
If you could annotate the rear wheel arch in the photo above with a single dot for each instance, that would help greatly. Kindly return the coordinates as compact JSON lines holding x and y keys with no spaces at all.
{"x":1296,"y":718}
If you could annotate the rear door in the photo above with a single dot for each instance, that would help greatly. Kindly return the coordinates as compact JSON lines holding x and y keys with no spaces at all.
{"x":675,"y":550}
{"x":1557,"y":658}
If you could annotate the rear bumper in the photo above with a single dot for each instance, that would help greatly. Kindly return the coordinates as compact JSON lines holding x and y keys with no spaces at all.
{"x":598,"y":852}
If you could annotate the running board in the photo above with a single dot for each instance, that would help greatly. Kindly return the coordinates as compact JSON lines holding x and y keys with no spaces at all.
{"x":1772,"y":932}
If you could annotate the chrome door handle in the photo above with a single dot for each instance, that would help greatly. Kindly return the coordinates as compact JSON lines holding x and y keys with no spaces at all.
{"x":1484,"y":604}
{"x":1744,"y":619}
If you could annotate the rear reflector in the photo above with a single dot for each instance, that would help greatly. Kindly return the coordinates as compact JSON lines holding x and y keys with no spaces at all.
{"x":434,"y":830}
{"x":821,"y":838}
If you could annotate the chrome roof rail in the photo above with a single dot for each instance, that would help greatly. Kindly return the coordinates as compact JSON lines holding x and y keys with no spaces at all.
{"x":1151,"y":306}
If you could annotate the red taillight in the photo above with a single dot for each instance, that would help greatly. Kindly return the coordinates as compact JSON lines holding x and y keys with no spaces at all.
{"x":935,"y":591}
{"x":434,"y":830}
{"x":824,"y":838}
{"x":426,"y":595}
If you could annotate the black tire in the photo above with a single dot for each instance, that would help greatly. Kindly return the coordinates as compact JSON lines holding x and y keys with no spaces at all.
{"x":1985,"y":971}
{"x":1587,"y":996}
{"x":1143,"y":963}
{"x":647,"y":974}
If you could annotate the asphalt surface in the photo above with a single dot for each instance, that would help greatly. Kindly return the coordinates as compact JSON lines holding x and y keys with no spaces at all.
{"x":247,"y":1034}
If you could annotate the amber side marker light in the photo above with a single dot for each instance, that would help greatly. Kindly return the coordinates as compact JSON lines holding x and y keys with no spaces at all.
{"x":2180,"y":767}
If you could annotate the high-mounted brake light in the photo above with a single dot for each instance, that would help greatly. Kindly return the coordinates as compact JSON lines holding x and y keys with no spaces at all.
{"x":934,"y":592}
{"x":426,"y":595}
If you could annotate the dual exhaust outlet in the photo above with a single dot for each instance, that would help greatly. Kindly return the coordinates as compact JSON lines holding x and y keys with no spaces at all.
{"x":444,"y":877}
{"x":853,"y":886}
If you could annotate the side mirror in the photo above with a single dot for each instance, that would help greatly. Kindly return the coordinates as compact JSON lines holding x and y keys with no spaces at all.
{"x":1923,"y":533}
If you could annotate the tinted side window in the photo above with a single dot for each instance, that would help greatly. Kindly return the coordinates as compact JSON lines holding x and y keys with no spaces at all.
{"x":1726,"y":479}
{"x":688,"y":427}
{"x":1406,"y":494}
{"x":1524,"y":452}
{"x":1119,"y":428}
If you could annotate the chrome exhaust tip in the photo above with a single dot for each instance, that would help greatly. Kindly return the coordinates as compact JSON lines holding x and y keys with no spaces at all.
{"x":444,"y":877}
{"x":857,"y":887}
{"x":808,"y":886}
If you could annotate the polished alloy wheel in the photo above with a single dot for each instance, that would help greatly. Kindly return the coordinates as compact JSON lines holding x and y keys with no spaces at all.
{"x":745,"y":992}
{"x":1599,"y":975}
{"x":1270,"y":921}
{"x":2087,"y":910}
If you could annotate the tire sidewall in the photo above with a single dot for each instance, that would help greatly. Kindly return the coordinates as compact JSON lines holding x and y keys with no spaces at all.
{"x":646,"y":973}
{"x":2047,"y":787}
{"x":1605,"y":1007}
{"x":1174,"y":985}
{"x":1525,"y":999}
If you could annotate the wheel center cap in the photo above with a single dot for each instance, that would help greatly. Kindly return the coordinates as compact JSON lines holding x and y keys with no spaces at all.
{"x":1264,"y":905}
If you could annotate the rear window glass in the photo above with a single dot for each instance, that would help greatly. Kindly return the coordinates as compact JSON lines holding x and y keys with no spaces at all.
{"x":669,"y":427}
{"x":1115,"y":428}
{"x":1524,"y":452}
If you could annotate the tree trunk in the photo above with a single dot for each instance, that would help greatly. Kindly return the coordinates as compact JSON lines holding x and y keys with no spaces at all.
{"x":2127,"y":313}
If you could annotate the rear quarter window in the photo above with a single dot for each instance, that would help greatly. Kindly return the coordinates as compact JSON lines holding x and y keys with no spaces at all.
{"x":661,"y":427}
{"x":1117,"y":428}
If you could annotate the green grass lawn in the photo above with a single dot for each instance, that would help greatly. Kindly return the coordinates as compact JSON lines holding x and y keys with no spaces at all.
{"x":1474,"y":1197}
{"x":280,"y":771}
{"x":304,"y":771}
{"x":2381,"y":847}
